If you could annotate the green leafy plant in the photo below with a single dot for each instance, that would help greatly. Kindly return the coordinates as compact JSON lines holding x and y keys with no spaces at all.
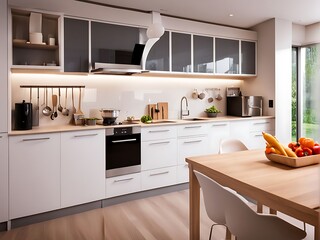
{"x":212,"y":109}
{"x":146,"y":119}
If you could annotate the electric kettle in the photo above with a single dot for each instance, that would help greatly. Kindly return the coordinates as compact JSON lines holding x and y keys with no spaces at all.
{"x":23,"y":116}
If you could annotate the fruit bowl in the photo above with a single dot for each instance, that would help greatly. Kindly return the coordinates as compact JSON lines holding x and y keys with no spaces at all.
{"x":294,"y":161}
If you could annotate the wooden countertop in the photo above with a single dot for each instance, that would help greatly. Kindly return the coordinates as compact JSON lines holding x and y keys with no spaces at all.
{"x":165,"y":122}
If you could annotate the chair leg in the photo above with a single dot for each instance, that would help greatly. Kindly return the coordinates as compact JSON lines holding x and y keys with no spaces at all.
{"x":211,"y":231}
{"x":259,"y":207}
{"x":228,"y":234}
{"x":272,"y":211}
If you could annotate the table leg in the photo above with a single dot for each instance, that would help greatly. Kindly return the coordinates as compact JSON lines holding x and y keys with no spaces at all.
{"x":194,"y":205}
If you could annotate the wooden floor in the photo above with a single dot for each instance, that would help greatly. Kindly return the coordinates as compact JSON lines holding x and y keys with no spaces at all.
{"x":162,"y":217}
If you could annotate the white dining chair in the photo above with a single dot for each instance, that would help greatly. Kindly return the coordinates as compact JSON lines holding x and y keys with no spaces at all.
{"x":214,"y":201}
{"x":231,"y":145}
{"x":246,"y":224}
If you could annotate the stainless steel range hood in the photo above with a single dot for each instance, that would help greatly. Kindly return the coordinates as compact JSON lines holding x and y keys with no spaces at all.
{"x":139,"y":55}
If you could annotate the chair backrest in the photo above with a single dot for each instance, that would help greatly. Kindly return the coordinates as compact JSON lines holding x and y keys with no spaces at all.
{"x":231,"y":145}
{"x":214,"y":198}
{"x":246,"y":224}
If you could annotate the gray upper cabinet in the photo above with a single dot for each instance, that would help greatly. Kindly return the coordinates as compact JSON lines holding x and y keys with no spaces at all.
{"x":158,"y":57}
{"x":248,"y":57}
{"x":76,"y":45}
{"x":181,"y":52}
{"x":113,"y":43}
{"x":226,"y":56}
{"x":202,"y":54}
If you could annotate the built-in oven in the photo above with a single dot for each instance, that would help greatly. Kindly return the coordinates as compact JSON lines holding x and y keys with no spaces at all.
{"x":123,"y":150}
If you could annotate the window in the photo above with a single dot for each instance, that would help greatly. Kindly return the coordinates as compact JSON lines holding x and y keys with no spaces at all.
{"x":306,"y":69}
{"x":294,"y":102}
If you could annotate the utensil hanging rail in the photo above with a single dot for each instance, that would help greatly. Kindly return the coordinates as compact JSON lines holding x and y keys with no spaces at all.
{"x":52,"y":86}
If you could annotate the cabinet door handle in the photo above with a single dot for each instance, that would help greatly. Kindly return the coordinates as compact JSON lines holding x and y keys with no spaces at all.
{"x":86,"y":135}
{"x":35,"y":139}
{"x":257,"y":123}
{"x":159,"y":173}
{"x":123,"y":180}
{"x":217,"y":125}
{"x":156,"y":131}
{"x":193,"y":141}
{"x":125,"y":140}
{"x":165,"y":142}
{"x":193,"y":127}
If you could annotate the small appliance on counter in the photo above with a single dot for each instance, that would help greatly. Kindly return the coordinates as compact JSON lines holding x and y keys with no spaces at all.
{"x":23,"y":116}
{"x":243,"y":106}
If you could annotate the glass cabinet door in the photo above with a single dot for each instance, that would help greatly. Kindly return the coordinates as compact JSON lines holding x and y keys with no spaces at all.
{"x":248,"y":57}
{"x":181,"y":52}
{"x":227,"y":56}
{"x":202,"y":54}
{"x":76,"y":45}
{"x":158,"y":57}
{"x":112,"y":43}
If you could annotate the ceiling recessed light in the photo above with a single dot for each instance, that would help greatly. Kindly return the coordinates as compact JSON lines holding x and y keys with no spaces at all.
{"x":231,"y":15}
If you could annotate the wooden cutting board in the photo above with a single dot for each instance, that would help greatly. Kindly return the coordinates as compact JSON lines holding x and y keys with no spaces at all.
{"x":163,"y":110}
{"x":158,"y":111}
{"x":152,"y":111}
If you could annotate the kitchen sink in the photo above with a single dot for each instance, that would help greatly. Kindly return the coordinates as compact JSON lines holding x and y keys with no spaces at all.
{"x":162,"y":121}
{"x":195,"y":119}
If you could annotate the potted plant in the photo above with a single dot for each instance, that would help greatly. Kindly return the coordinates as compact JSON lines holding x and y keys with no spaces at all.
{"x":212,"y":111}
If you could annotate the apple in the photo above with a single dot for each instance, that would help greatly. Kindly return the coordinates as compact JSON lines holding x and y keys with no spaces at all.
{"x":316,"y":149}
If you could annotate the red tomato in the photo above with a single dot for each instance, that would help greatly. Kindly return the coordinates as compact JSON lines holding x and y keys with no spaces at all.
{"x":301,"y":152}
{"x":293,"y":146}
{"x":316,"y":149}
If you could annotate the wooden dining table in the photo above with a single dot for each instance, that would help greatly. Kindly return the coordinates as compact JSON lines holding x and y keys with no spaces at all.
{"x":292,"y":191}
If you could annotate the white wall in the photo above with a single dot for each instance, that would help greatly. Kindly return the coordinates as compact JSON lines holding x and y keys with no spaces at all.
{"x":298,"y":34}
{"x":264,"y":84}
{"x":283,"y":79}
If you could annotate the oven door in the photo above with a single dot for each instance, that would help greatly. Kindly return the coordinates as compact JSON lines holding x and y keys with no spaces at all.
{"x":123,"y":154}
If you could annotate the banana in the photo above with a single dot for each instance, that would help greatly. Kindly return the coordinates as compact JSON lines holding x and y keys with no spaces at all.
{"x":289,"y":152}
{"x":271,"y":140}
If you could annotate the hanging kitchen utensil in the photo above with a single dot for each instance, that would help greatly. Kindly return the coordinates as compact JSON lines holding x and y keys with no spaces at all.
{"x":73,"y":109}
{"x":210,"y":99}
{"x":79,"y":104}
{"x":218,"y":96}
{"x":35,"y":112}
{"x":60,"y":108}
{"x":65,"y":110}
{"x":54,"y":105}
{"x":46,"y":110}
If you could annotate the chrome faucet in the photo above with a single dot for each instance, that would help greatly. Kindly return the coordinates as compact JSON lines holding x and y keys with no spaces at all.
{"x":186,"y":111}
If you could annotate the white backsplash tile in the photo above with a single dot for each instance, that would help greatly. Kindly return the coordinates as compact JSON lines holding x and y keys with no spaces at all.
{"x":129,"y":94}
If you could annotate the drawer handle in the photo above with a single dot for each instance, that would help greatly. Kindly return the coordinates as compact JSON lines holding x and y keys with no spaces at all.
{"x":217,"y":125}
{"x":35,"y":139}
{"x":261,"y":123}
{"x":157,"y":131}
{"x":193,"y":127}
{"x":166,"y":142}
{"x":123,"y":180}
{"x":160,"y":173}
{"x":194,"y":141}
{"x":125,"y":140}
{"x":86,"y":135}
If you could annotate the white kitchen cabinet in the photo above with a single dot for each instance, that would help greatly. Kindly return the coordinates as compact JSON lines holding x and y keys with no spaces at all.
{"x":34,"y":174}
{"x":158,"y":147}
{"x":3,"y":66}
{"x":250,"y":131}
{"x":192,"y":141}
{"x":216,"y":132}
{"x":125,"y":184}
{"x":158,"y":153}
{"x":82,"y":167}
{"x":160,"y":177}
{"x":4,"y":179}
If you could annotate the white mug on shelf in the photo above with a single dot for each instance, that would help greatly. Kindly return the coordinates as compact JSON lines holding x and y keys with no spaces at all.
{"x":52,"y":41}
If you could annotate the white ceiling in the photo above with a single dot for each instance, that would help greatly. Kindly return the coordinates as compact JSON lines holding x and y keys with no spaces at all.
{"x":246,"y":13}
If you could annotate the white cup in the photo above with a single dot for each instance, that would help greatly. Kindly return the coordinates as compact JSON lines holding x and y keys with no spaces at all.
{"x":52,"y":41}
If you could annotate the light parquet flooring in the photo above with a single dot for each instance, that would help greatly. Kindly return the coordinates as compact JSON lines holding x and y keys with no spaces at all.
{"x":162,"y":217}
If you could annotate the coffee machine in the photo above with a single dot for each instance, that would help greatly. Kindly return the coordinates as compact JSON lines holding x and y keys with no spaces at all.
{"x":23,"y":116}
